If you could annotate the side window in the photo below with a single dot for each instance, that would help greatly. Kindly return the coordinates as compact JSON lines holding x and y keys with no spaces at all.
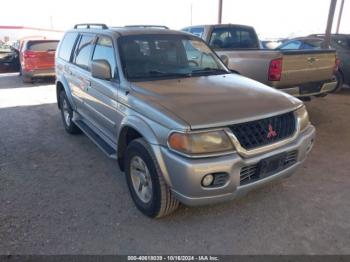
{"x":104,"y":50}
{"x":83,"y":52}
{"x":343,"y":42}
{"x":312,"y":44}
{"x":67,"y":46}
{"x":197,"y":31}
{"x":292,"y":45}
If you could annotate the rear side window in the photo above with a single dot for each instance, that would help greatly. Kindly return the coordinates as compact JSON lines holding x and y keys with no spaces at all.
{"x":343,"y":42}
{"x":104,"y":50}
{"x":234,"y":38}
{"x":312,"y":44}
{"x":292,"y":45}
{"x":83,"y":51}
{"x":42,"y":45}
{"x":67,"y":46}
{"x":197,"y":31}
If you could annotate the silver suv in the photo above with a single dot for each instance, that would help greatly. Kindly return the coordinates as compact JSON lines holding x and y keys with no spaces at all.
{"x":180,"y":124}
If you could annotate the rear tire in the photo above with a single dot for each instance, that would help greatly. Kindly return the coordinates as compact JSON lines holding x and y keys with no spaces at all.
{"x":67,"y":115}
{"x":340,"y":82}
{"x":158,"y":200}
{"x":26,"y":79}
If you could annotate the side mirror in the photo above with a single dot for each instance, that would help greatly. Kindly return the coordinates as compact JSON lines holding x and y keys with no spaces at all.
{"x":224,"y":59}
{"x":101,"y":69}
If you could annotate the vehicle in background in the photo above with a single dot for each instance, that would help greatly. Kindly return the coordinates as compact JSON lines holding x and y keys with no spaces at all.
{"x":183,"y":130}
{"x":271,"y":44}
{"x":37,"y":59}
{"x":9,"y":59}
{"x":300,"y":73}
{"x":339,"y":42}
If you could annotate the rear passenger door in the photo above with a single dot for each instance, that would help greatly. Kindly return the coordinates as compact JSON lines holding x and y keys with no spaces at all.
{"x":63,"y":62}
{"x":101,"y":97}
{"x":80,"y":71}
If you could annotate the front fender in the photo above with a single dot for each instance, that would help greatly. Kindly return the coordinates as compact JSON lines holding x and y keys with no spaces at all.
{"x":140,"y":126}
{"x":155,"y":141}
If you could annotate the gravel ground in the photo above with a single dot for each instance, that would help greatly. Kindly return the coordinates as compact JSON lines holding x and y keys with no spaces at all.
{"x":61,"y":195}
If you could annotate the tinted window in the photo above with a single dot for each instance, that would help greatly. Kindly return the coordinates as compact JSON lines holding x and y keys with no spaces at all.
{"x":233,"y":38}
{"x":197,"y":31}
{"x":67,"y":46}
{"x":83,"y":52}
{"x":104,"y":50}
{"x":312,"y":44}
{"x":42,"y":45}
{"x":343,"y":42}
{"x":291,"y":45}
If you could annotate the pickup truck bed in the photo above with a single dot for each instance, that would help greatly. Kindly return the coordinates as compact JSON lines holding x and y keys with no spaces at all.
{"x":300,"y":73}
{"x":303,"y":73}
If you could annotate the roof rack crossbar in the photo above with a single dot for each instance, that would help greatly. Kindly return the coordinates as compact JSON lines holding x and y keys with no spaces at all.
{"x":88,"y":26}
{"x":151,"y":26}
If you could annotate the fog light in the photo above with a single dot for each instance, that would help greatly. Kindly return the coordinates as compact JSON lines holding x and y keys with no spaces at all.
{"x":207,"y":180}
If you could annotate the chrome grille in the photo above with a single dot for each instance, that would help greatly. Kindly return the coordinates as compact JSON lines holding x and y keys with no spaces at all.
{"x":265,"y":131}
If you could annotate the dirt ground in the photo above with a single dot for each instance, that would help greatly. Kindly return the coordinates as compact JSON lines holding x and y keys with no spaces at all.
{"x":59,"y":194}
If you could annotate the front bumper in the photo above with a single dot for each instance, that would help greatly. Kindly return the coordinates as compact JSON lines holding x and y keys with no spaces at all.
{"x":184,"y":175}
{"x":312,"y":89}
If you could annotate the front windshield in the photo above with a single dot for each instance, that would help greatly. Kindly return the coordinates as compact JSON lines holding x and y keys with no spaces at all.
{"x":149,"y":57}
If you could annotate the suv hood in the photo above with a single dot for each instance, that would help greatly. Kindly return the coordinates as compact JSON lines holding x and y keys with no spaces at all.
{"x":213,"y":101}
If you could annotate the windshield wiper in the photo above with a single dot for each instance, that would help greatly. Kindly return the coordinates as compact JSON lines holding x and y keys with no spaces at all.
{"x":209,"y":70}
{"x":162,"y":73}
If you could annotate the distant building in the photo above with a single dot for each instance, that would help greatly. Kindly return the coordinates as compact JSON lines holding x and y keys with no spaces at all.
{"x":15,"y":33}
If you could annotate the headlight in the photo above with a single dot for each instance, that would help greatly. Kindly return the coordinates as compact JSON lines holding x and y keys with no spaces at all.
{"x":303,"y":118}
{"x":200,"y":142}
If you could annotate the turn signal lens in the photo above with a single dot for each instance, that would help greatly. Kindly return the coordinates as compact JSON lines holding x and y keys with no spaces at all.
{"x":303,"y":118}
{"x":200,"y":142}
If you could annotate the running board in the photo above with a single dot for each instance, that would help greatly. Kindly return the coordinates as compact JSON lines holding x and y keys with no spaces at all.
{"x":100,"y":142}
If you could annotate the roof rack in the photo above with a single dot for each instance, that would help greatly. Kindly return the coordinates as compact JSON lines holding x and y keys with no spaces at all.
{"x":88,"y":26}
{"x":148,"y":26}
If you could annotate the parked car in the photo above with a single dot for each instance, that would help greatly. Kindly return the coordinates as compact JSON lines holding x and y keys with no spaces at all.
{"x":9,"y":59}
{"x":339,"y":42}
{"x":271,"y":44}
{"x":183,"y":130}
{"x":37,"y":58}
{"x":300,"y":73}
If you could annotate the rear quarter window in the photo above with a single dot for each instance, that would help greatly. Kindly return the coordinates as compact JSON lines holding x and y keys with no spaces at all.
{"x":233,"y":38}
{"x":42,"y":45}
{"x":67,"y":45}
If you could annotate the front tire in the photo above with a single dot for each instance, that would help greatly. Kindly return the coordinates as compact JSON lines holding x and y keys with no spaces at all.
{"x":146,"y":184}
{"x":67,"y":115}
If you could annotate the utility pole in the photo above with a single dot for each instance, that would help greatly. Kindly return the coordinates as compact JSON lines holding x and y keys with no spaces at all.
{"x":220,"y":12}
{"x":340,"y":15}
{"x":327,"y":38}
